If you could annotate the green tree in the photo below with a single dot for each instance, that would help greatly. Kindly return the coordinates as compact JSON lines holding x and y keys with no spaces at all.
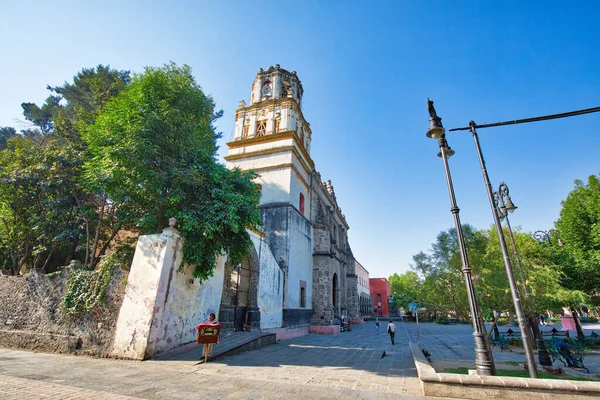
{"x":406,"y":288}
{"x":43,"y":200}
{"x":579,"y":227}
{"x":5,"y":134}
{"x":34,"y":204}
{"x":153,"y":150}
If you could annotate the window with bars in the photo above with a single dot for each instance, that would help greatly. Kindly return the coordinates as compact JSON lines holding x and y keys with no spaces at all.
{"x":261,"y":128}
{"x":245,"y":132}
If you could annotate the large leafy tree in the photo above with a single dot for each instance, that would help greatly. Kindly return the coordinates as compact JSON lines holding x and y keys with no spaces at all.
{"x":538,"y":274}
{"x":45,"y":207}
{"x":443,"y":286}
{"x":153,"y":153}
{"x":406,"y":288}
{"x":579,"y":227}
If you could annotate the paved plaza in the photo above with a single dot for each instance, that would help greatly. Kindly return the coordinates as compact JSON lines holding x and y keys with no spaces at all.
{"x":455,"y":343}
{"x":348,"y":365}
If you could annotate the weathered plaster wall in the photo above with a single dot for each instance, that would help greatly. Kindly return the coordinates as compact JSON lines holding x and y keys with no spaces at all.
{"x":162,"y":306}
{"x":289,"y":236}
{"x":270,"y":285}
{"x":135,"y":317}
{"x":300,"y":261}
{"x":185,"y":304}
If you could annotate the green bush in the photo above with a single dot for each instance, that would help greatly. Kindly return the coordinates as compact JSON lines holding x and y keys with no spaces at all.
{"x":588,"y":319}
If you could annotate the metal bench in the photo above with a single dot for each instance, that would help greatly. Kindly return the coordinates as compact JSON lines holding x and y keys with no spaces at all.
{"x":501,"y":342}
{"x":448,"y":321}
{"x":512,"y":334}
{"x":555,"y":333}
{"x":568,"y":360}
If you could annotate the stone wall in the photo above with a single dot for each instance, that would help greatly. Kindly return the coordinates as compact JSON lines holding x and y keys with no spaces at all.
{"x":31,"y":317}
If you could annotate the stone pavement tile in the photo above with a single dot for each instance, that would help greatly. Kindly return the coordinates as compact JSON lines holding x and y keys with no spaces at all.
{"x":20,"y":388}
{"x":320,"y":366}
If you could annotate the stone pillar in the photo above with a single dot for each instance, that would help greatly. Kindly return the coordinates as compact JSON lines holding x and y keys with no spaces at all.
{"x":162,"y":306}
{"x":352,"y":300}
{"x":252,"y":319}
{"x":153,"y":263}
{"x":226,"y":317}
{"x":322,"y":302}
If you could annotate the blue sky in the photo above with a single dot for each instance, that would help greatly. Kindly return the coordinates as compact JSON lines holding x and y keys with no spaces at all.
{"x":367,"y":69}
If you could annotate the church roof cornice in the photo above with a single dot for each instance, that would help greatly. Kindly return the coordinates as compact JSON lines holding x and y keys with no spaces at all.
{"x":298,"y":149}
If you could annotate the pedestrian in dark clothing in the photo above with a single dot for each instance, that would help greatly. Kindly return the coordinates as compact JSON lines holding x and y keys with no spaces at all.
{"x":392,"y":331}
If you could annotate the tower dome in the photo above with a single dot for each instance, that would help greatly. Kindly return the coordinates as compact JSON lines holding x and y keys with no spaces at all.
{"x":276,"y":83}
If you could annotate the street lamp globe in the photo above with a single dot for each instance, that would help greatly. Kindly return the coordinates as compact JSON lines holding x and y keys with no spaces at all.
{"x":510,"y":206}
{"x":436,"y":130}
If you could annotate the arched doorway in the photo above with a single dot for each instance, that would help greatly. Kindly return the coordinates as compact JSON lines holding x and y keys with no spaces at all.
{"x":239,"y":301}
{"x":334,"y":293}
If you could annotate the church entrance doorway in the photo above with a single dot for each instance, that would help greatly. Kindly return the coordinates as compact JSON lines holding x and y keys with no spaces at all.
{"x":334,"y":293}
{"x":239,"y":302}
{"x":241,"y":274}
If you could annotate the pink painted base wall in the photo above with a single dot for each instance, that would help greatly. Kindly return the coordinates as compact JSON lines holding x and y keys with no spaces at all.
{"x":357,"y":321}
{"x":285,"y":333}
{"x":325,"y":329}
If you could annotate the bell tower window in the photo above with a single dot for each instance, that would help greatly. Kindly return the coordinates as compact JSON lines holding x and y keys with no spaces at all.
{"x":261,"y":128}
{"x":245,"y":132}
{"x":277,"y":125}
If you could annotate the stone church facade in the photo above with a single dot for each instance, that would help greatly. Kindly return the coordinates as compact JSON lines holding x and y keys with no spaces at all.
{"x":304,"y":227}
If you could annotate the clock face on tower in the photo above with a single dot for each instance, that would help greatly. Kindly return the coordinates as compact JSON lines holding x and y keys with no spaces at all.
{"x":266,"y":90}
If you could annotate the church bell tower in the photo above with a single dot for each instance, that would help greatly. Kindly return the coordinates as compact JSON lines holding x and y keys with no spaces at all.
{"x":273,"y":138}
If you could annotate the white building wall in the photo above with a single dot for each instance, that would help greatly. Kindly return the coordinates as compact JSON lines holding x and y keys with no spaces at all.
{"x":363,"y":280}
{"x":270,"y":285}
{"x":300,"y":261}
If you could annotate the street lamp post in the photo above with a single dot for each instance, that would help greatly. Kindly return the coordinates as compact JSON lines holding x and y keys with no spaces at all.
{"x":484,"y":360}
{"x":505,"y":206}
{"x":509,"y":270}
{"x":540,"y":236}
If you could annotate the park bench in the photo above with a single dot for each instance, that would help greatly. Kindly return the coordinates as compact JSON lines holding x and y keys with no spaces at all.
{"x":576,"y":359}
{"x":556,"y":333}
{"x":512,"y":334}
{"x":501,"y":342}
{"x":448,"y":321}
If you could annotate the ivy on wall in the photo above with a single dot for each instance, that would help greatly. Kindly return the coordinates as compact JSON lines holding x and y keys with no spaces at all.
{"x":85,"y":290}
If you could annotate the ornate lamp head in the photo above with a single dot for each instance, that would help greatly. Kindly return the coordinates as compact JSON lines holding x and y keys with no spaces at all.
{"x":436,"y":130}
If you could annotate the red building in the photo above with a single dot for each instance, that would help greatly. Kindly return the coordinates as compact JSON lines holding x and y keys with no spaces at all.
{"x":380,"y":293}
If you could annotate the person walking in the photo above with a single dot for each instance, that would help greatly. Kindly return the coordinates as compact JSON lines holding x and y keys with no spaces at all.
{"x":208,"y":347}
{"x":377,"y":325}
{"x":392,"y":331}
